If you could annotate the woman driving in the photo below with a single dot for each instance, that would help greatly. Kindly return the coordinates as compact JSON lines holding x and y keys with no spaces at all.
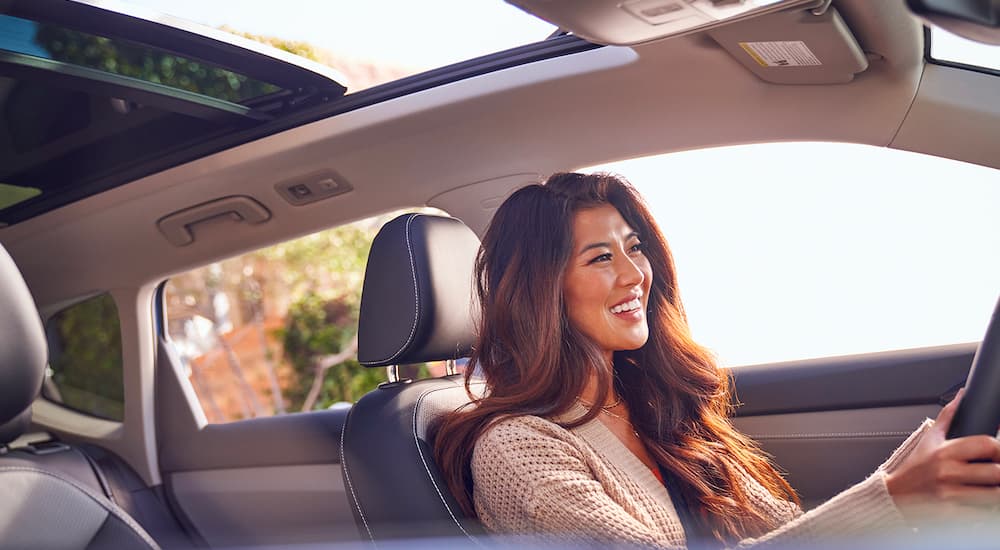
{"x":603,"y":420}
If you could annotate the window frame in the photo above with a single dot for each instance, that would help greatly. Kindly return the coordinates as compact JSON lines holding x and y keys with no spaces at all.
{"x":954,"y":64}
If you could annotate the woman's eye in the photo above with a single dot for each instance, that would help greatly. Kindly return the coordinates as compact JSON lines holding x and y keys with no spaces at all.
{"x":602,"y":258}
{"x":638,"y":247}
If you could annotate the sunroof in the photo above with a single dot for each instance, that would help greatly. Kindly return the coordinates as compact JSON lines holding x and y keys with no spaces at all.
{"x":371,"y":43}
{"x":96,"y":93}
{"x":88,"y":94}
{"x":949,"y":47}
{"x":56,"y":44}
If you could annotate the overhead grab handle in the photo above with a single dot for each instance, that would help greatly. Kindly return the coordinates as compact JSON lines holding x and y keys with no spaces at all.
{"x":178,"y":227}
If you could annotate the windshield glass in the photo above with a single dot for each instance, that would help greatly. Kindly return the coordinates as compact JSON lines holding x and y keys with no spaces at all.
{"x":782,"y":259}
{"x":369,"y":42}
{"x":949,"y":47}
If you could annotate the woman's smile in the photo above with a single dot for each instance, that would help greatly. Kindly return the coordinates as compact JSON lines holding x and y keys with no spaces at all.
{"x":630,"y":309}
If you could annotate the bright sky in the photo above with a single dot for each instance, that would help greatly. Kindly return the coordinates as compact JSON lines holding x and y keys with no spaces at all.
{"x":879,"y":250}
{"x":421,"y":35}
{"x":948,"y":47}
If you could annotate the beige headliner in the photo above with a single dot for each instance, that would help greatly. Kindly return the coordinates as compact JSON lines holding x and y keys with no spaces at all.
{"x":597,"y":106}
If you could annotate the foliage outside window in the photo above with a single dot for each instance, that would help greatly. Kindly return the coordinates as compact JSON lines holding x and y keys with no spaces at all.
{"x":274,"y":331}
{"x":85,"y":358}
{"x":133,"y":60}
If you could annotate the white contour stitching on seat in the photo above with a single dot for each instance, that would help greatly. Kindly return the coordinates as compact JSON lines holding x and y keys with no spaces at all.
{"x":110,"y":506}
{"x":416,"y":442}
{"x":416,"y":295}
{"x":829,"y":435}
{"x":350,"y":486}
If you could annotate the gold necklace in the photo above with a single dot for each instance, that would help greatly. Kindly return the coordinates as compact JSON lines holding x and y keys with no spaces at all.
{"x":609,"y":413}
{"x":623,"y":419}
{"x":605,"y":407}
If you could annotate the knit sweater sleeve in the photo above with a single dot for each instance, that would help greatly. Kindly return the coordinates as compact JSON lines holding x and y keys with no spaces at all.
{"x":857,"y":512}
{"x":528,"y":482}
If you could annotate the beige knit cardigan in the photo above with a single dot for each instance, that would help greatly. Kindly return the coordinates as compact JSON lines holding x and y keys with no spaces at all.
{"x":531,"y":475}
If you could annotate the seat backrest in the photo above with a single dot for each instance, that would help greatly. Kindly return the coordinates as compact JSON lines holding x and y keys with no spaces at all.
{"x":49,"y":500}
{"x":415,"y":307}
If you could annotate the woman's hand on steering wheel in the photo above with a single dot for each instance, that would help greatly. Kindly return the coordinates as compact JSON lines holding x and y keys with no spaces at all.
{"x":961,"y":474}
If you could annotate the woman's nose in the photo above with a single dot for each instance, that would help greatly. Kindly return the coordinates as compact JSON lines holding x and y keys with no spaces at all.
{"x":629,"y":273}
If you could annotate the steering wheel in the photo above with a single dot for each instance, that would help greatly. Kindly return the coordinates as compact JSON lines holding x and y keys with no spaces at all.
{"x":979,"y":411}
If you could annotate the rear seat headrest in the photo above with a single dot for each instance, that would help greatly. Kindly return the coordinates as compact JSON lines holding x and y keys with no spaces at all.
{"x":417,"y":301}
{"x":23,"y":351}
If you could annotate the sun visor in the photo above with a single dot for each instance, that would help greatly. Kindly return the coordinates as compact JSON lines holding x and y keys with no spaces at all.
{"x":631,"y":22}
{"x":795,"y":47}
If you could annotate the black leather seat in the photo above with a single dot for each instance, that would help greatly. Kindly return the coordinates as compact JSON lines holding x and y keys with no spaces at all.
{"x":415,"y":307}
{"x":51,"y":496}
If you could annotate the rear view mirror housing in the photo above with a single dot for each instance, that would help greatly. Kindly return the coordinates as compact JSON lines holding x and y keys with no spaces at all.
{"x":975,"y":20}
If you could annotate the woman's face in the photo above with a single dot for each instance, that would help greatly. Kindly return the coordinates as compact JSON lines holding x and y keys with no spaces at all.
{"x":607,"y":281}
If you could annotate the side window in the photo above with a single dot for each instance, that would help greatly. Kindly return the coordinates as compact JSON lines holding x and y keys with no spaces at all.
{"x":85,"y":358}
{"x":788,"y":251}
{"x":274,"y":331}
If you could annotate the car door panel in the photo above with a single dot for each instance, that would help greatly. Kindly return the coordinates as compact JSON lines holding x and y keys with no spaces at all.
{"x":263,"y":481}
{"x":829,"y":423}
{"x":825,"y":452}
{"x":270,"y":505}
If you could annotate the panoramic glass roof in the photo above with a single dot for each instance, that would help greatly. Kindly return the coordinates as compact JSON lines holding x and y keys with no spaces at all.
{"x":96,"y":93}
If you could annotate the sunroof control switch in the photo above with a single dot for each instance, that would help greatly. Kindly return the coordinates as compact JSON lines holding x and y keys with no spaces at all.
{"x":313,"y":187}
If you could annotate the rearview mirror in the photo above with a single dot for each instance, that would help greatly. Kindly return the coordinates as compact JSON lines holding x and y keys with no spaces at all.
{"x":975,"y":20}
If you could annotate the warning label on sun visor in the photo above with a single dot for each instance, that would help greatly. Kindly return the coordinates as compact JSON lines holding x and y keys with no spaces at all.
{"x":780,"y":54}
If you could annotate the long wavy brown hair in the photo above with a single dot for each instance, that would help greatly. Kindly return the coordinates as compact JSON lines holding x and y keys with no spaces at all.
{"x":535,"y":363}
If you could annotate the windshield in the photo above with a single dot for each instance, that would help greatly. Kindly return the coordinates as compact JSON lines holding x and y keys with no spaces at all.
{"x":948,"y":47}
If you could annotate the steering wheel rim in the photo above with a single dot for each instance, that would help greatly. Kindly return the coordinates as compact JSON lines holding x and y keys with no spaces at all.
{"x":979,"y":411}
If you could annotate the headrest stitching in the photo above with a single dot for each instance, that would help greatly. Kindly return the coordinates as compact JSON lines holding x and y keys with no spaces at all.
{"x":416,"y":442}
{"x":347,"y":476}
{"x":416,"y":297}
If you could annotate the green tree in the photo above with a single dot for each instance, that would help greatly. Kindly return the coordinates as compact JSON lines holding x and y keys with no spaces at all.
{"x":320,"y":277}
{"x":325,"y":273}
{"x":85,"y":355}
{"x":320,"y":340}
{"x":148,"y":64}
{"x":301,"y":49}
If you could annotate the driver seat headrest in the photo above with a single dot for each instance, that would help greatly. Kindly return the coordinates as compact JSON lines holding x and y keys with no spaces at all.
{"x":23,"y":351}
{"x":417,"y":305}
{"x":420,"y":305}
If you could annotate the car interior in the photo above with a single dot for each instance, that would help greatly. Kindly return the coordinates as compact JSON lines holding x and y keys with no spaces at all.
{"x":112,"y":184}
